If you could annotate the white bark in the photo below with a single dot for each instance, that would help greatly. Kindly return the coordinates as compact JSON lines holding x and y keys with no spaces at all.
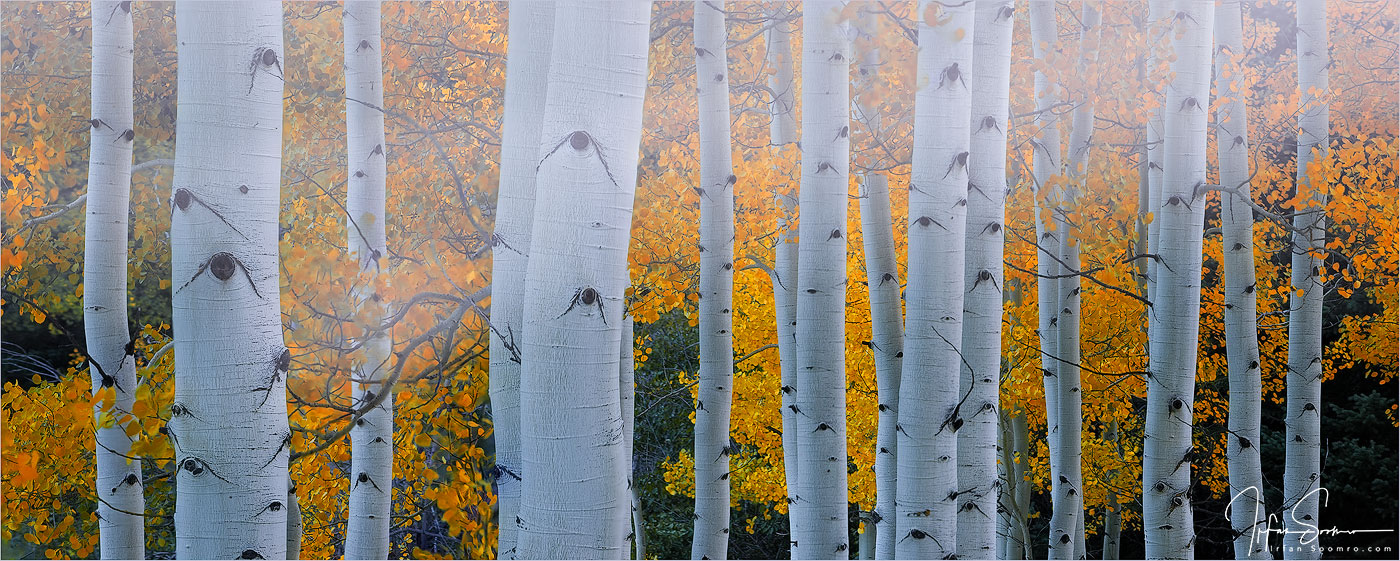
{"x":531,"y":30}
{"x":1156,"y":10}
{"x":229,"y":417}
{"x":1302,"y":469}
{"x":820,"y":525}
{"x":1171,"y":383}
{"x":980,"y":379}
{"x":121,"y":535}
{"x":1247,"y":509}
{"x":887,"y":344}
{"x":1113,"y":515}
{"x":1068,"y":521}
{"x":575,"y":497}
{"x":716,"y":285}
{"x":783,"y":131}
{"x":371,"y":441}
{"x":294,"y":527}
{"x":930,"y":414}
{"x":627,"y":392}
{"x":1046,"y":164}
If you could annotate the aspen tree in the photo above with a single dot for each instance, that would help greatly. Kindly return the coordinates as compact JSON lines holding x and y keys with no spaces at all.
{"x":1045,"y":166}
{"x":1171,"y":381}
{"x":929,"y":413}
{"x":716,"y":285}
{"x":990,"y":80}
{"x":121,"y":531}
{"x":371,"y":441}
{"x":229,"y":416}
{"x":627,"y":392}
{"x":1247,"y":510}
{"x":531,"y":30}
{"x":820,"y":496}
{"x":1302,"y":466}
{"x":574,"y":498}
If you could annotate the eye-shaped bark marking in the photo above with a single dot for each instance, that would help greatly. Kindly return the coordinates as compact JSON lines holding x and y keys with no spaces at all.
{"x":363,"y":44}
{"x":579,"y":141}
{"x":836,"y":57}
{"x":844,"y":132}
{"x":588,"y":297}
{"x":274,"y":506}
{"x":196,"y":467}
{"x":959,"y":162}
{"x":835,"y":235}
{"x":129,"y":480}
{"x":1188,"y":103}
{"x":250,"y":554}
{"x":222,"y":265}
{"x":365,"y":478}
{"x":1005,"y":12}
{"x":183,"y":197}
{"x":925,"y":221}
{"x":127,"y":135}
{"x":949,"y":75}
{"x":285,"y":444}
{"x":267,"y":59}
{"x":824,"y":167}
{"x":989,"y":122}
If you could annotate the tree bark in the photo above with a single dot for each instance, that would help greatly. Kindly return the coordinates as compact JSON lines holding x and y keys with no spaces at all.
{"x":371,"y":442}
{"x":716,"y":285}
{"x":820,"y":526}
{"x":929,"y":414}
{"x":531,"y":30}
{"x":1247,"y":510}
{"x":1302,"y":470}
{"x":111,"y":365}
{"x":294,"y":526}
{"x":887,"y":344}
{"x":1045,"y":165}
{"x":229,"y":416}
{"x":575,"y":497}
{"x":1171,"y":382}
{"x":783,"y":132}
{"x":983,"y":279}
{"x":627,"y":392}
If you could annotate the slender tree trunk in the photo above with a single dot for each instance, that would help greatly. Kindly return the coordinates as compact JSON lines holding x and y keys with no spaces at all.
{"x":294,"y":527}
{"x":371,"y":442}
{"x":1113,"y":515}
{"x":929,"y":414}
{"x":887,"y":343}
{"x":1171,"y":381}
{"x":1046,"y":164}
{"x":229,"y":417}
{"x":983,"y":280}
{"x":1247,"y":509}
{"x":716,"y":285}
{"x":783,"y":132}
{"x":1156,"y":30}
{"x":531,"y":30}
{"x":627,"y":391}
{"x":820,"y":526}
{"x":569,"y":404}
{"x":1020,"y":435}
{"x":1302,"y":471}
{"x":112,"y":366}
{"x":1068,"y":486}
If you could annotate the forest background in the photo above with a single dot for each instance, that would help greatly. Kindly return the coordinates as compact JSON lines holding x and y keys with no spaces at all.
{"x":444,"y":67}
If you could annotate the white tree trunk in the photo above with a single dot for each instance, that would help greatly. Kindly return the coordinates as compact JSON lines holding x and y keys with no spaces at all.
{"x":783,"y":131}
{"x":887,"y":344}
{"x":1046,"y":164}
{"x":229,"y":417}
{"x":627,"y":392}
{"x":930,"y":414}
{"x":1247,"y":510}
{"x":1171,"y":383}
{"x":294,"y":527}
{"x":1302,"y":470}
{"x":820,"y":497}
{"x":1156,"y":10}
{"x":982,"y":280}
{"x":371,"y":441}
{"x":716,"y":285}
{"x":531,"y":33}
{"x":121,"y":535}
{"x":575,"y":497}
{"x":1068,"y":521}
